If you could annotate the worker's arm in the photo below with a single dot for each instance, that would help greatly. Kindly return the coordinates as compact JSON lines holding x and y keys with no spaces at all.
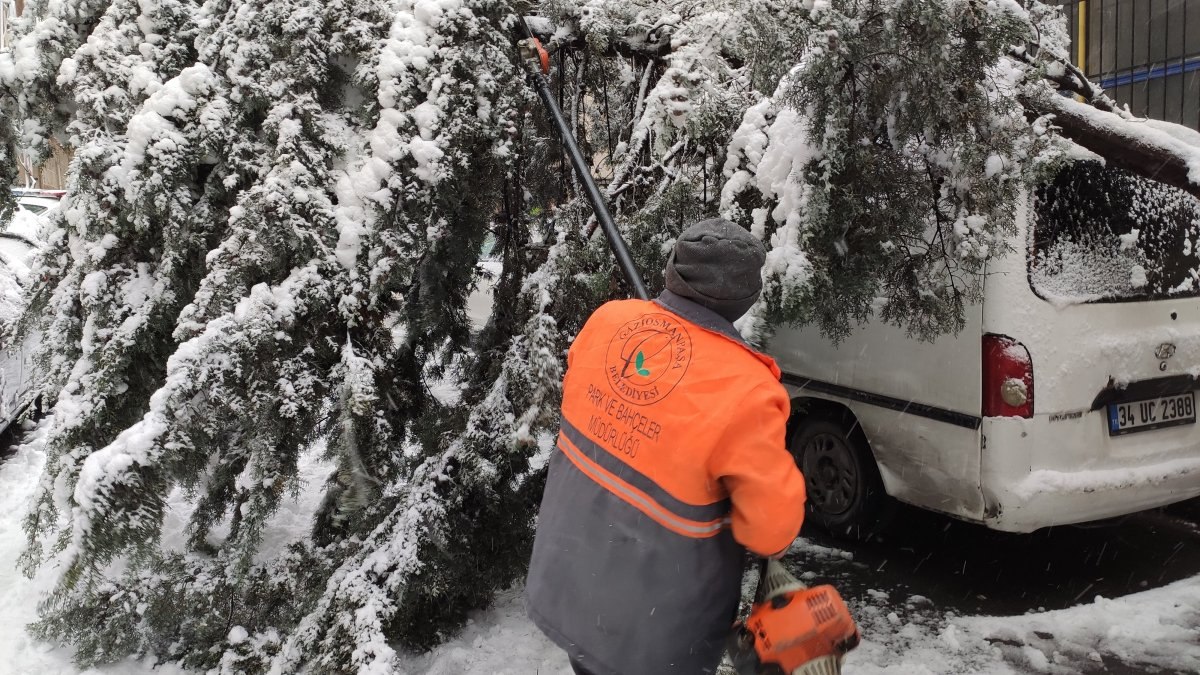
{"x":760,"y":474}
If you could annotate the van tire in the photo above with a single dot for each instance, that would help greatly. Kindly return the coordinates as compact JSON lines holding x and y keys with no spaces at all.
{"x":845,"y":492}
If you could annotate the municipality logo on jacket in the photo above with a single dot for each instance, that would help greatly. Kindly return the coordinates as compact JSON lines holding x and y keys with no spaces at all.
{"x":647,"y":357}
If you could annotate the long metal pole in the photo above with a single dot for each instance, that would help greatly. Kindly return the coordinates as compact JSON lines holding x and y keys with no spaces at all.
{"x":615,"y":242}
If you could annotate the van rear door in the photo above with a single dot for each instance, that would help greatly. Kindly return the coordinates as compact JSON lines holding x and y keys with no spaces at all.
{"x":1106,"y":299}
{"x":1120,"y":257}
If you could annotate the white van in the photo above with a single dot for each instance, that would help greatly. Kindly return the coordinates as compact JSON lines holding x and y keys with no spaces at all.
{"x":1070,"y":396}
{"x":16,"y":366}
{"x":19,"y":241}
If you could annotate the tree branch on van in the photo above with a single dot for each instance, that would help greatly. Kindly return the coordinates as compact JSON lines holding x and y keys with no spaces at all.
{"x":1131,"y":144}
{"x":1071,"y":79}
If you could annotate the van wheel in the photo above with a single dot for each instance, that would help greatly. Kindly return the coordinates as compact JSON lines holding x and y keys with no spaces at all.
{"x":845,"y":492}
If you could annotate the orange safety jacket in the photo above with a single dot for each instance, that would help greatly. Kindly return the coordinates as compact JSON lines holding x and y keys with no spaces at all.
{"x":672,"y":462}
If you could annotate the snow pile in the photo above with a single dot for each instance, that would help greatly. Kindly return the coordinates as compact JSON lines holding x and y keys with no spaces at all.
{"x":1156,"y":628}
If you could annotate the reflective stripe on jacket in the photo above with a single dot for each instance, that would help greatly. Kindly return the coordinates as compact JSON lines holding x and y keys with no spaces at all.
{"x":671,"y":459}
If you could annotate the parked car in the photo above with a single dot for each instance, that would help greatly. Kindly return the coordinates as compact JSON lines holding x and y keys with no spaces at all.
{"x":19,"y":240}
{"x":16,"y":391}
{"x":38,"y":201}
{"x":1070,"y":396}
{"x":31,"y":202}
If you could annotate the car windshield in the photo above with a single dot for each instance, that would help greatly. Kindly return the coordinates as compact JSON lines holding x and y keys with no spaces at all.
{"x":32,"y":208}
{"x":1102,"y":234}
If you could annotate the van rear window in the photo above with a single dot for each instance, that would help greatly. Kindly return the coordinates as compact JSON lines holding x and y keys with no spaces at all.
{"x":1103,"y":234}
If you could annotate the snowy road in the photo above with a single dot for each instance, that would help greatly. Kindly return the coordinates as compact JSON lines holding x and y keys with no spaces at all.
{"x":940,"y":597}
{"x":972,"y":570}
{"x":1122,"y":597}
{"x":944,"y":598}
{"x":937,"y":597}
{"x":933,"y":597}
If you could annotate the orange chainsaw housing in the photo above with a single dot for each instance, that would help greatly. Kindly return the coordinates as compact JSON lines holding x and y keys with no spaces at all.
{"x":793,"y":629}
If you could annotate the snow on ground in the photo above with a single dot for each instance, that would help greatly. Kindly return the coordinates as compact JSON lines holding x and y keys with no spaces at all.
{"x":1155,"y":628}
{"x":1159,"y":628}
{"x":19,"y":653}
{"x":290,"y":523}
{"x":905,"y":636}
{"x":499,"y":641}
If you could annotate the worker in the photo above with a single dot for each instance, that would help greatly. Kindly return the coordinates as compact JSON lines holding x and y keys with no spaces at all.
{"x":671,"y":463}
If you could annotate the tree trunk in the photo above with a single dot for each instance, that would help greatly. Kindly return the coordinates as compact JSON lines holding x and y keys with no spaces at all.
{"x":1128,"y":144}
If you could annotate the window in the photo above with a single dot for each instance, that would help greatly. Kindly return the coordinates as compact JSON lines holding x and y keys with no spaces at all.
{"x":1105,"y":235}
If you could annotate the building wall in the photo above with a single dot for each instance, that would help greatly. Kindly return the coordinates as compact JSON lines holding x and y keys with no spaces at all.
{"x":51,"y":175}
{"x":1144,"y":53}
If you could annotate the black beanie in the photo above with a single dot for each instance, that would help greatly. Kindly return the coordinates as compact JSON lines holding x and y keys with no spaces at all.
{"x":718,"y":265}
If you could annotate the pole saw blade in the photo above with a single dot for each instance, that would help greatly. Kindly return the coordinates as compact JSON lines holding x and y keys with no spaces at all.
{"x":537,"y":60}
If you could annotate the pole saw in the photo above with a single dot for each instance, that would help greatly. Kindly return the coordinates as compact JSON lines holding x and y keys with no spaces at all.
{"x":791,"y":629}
{"x":538,"y":62}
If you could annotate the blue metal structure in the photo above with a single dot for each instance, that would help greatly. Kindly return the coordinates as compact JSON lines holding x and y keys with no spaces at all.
{"x":1144,"y":53}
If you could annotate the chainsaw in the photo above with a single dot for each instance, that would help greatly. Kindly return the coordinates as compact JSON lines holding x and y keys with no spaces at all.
{"x":792,"y":629}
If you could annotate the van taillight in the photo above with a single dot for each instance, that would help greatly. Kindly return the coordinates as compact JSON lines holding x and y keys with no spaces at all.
{"x":1007,"y":378}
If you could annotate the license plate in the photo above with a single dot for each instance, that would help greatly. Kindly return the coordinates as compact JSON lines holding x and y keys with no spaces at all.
{"x":1154,"y":413}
